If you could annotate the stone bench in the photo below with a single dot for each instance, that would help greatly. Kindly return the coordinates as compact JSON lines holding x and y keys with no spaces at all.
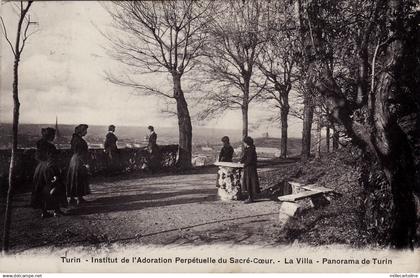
{"x":299,"y":196}
{"x":304,"y":197}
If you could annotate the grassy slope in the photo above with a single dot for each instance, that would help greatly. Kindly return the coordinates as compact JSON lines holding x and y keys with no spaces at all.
{"x":342,"y":221}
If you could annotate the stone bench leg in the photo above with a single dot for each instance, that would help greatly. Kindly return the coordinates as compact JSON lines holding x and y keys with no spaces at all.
{"x":287,"y":210}
{"x":291,"y":209}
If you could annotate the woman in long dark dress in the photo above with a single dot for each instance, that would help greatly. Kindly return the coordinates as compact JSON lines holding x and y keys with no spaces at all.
{"x":111,"y":150}
{"x":48,"y":191}
{"x":77,"y":184}
{"x":250,"y":177}
{"x":153,"y":160}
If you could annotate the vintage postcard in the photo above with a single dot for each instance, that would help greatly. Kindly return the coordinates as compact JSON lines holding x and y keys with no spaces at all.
{"x":210,"y":136}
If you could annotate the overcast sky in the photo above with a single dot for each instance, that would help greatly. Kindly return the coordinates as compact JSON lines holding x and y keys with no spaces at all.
{"x":62,"y":74}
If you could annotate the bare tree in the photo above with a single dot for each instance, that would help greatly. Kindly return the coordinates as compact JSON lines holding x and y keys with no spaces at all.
{"x":22,"y":34}
{"x":277,"y":61}
{"x":160,"y":37}
{"x":236,"y":35}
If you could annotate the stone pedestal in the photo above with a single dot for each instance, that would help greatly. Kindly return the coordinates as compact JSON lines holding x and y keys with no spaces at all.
{"x":229,"y":180}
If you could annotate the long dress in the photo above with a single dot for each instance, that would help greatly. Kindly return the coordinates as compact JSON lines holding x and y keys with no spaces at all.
{"x":152,"y":140}
{"x":111,"y":150}
{"x":250,"y":179}
{"x":154,"y":153}
{"x":48,"y":189}
{"x":77,"y":176}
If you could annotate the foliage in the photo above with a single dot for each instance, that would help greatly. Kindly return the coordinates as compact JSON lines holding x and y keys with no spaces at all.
{"x":358,"y":217}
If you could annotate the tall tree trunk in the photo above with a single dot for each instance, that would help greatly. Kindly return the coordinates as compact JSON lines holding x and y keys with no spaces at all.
{"x":184,"y":125}
{"x":399,"y":167}
{"x":244,"y":109}
{"x":16,"y":106}
{"x":335,"y":138}
{"x":308,"y":112}
{"x":318,"y":137}
{"x":284,"y":112}
{"x":394,"y":153}
{"x":327,"y":131}
{"x":362,"y":74}
{"x":392,"y":145}
{"x":283,"y":141}
{"x":244,"y":120}
{"x":327,"y":138}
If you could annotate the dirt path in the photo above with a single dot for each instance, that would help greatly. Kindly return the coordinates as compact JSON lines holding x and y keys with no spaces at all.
{"x":171,"y":209}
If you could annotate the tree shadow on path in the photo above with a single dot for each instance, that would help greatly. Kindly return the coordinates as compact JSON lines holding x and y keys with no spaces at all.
{"x":145,"y":200}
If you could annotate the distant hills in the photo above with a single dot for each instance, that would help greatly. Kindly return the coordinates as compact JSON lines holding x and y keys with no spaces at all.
{"x":30,"y":133}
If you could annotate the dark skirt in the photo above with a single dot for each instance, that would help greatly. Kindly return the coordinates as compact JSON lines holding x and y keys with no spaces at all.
{"x":113,"y":163}
{"x":47,"y":193}
{"x":250,"y":182}
{"x":154,"y":158}
{"x":77,"y":184}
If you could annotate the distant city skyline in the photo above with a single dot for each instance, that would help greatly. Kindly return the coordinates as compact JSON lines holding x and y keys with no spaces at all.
{"x":62,"y":74}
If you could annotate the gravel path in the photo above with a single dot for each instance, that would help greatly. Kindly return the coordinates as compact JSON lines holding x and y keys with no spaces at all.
{"x":158,"y":210}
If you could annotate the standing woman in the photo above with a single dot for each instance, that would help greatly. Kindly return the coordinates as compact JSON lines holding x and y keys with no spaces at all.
{"x":111,"y":149}
{"x":226,"y":153}
{"x":78,"y":174}
{"x":153,"y":149}
{"x":249,"y":159}
{"x":48,"y":191}
{"x":152,"y":137}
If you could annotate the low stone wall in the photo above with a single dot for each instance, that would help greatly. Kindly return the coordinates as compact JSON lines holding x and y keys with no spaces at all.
{"x":131,"y":159}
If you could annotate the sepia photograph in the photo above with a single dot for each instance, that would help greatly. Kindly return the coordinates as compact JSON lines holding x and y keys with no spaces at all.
{"x":235,"y":136}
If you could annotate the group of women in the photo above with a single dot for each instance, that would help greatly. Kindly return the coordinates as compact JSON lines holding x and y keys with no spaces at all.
{"x":250,"y":182}
{"x":50,"y":192}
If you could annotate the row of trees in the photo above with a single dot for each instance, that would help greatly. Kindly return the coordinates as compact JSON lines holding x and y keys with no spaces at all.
{"x":353,"y":64}
{"x":238,"y":52}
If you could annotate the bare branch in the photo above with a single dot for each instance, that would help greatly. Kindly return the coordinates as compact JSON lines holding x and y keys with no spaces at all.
{"x":128,"y":82}
{"x":157,"y":34}
{"x":6,"y":36}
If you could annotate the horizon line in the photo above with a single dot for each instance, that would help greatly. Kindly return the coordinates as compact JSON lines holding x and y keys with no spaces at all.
{"x":123,"y":125}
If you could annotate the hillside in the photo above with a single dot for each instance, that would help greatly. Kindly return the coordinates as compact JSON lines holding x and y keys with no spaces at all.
{"x":354,"y":217}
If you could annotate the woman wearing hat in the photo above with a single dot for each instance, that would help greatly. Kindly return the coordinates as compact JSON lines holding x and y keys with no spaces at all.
{"x":48,"y":191}
{"x":78,"y":174}
{"x":250,"y":179}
